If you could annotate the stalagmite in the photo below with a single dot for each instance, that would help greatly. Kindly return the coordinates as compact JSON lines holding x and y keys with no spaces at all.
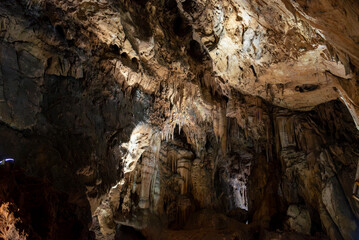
{"x":147,"y":172}
{"x":223,"y":129}
{"x":184,"y":170}
{"x":239,"y":183}
{"x":140,"y":140}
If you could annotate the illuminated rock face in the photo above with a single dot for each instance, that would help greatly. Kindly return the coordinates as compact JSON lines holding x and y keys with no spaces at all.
{"x":169,"y":119}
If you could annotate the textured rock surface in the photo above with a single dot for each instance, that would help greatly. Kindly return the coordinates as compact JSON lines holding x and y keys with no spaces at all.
{"x":181,"y":118}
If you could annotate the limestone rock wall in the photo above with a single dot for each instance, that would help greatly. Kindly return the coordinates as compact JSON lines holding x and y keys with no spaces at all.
{"x":160,"y":115}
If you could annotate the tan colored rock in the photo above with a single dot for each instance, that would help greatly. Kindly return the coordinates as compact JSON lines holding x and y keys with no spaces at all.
{"x":201,"y":184}
{"x":184,"y":170}
{"x":217,"y":105}
{"x":299,"y":219}
{"x":335,"y":203}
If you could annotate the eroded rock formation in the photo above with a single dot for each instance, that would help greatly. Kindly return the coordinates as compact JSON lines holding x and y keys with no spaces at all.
{"x":180,"y":119}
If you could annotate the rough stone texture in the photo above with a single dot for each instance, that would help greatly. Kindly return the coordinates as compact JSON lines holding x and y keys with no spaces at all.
{"x":182,"y":118}
{"x":299,"y":219}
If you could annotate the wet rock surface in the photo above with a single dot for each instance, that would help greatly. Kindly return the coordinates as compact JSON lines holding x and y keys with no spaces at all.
{"x":180,"y":119}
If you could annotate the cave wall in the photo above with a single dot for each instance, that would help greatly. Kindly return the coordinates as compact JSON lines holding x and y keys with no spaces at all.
{"x":161,"y":115}
{"x":296,"y":177}
{"x":55,"y":121}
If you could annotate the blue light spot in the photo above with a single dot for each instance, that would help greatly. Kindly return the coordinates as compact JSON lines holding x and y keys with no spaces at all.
{"x":2,"y":162}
